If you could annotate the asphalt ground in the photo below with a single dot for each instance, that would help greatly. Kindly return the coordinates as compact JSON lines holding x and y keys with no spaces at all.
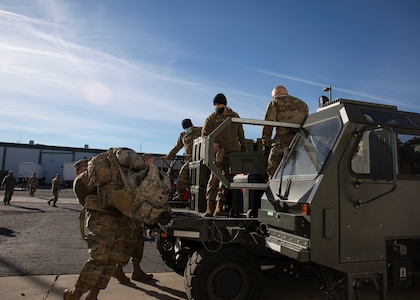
{"x":41,"y":254}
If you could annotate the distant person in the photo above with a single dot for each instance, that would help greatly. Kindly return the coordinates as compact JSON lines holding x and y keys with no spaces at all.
{"x":230,"y":139}
{"x":24,"y":184}
{"x":32,"y":185}
{"x":281,"y":108}
{"x":185,"y":140}
{"x":133,"y":244}
{"x":55,"y":188}
{"x":9,"y":182}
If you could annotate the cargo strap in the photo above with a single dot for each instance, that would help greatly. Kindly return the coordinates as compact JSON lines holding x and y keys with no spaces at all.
{"x":82,"y":222}
{"x":120,"y":170}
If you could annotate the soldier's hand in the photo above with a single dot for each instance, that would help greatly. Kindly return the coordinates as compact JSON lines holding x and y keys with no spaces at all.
{"x":164,"y":218}
{"x":266,"y":150}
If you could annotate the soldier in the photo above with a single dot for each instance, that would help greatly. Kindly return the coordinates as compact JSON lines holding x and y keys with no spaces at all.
{"x":185,"y":140}
{"x":133,"y":248}
{"x":9,"y":182}
{"x":78,"y":188}
{"x":55,"y":188}
{"x":32,"y":185}
{"x":282,"y":108}
{"x":230,"y":139}
{"x":133,"y":244}
{"x":105,"y":239}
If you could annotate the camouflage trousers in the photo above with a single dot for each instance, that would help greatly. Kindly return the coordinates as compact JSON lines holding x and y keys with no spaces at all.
{"x":133,"y":241}
{"x":105,"y":244}
{"x":216,"y":191}
{"x":183,"y":179}
{"x":276,"y":153}
{"x":8,"y":193}
{"x":54,"y":198}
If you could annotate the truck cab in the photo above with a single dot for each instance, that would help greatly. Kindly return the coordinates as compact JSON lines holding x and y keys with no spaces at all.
{"x":343,"y":204}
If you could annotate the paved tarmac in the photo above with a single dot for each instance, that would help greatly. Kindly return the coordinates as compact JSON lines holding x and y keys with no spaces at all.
{"x":165,"y":285}
{"x":169,"y":286}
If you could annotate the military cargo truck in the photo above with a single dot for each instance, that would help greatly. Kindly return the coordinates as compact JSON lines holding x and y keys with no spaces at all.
{"x":343,"y":205}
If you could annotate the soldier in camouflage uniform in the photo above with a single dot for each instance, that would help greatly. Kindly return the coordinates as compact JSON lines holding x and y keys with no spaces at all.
{"x":32,"y":185}
{"x":9,"y":182}
{"x":133,"y":248}
{"x":55,"y":189}
{"x":230,"y":139}
{"x":282,"y":108}
{"x":133,"y":244}
{"x":185,"y":140}
{"x":105,"y":239}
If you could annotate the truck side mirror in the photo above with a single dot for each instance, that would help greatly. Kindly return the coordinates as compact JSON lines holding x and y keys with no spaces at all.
{"x":382,"y":157}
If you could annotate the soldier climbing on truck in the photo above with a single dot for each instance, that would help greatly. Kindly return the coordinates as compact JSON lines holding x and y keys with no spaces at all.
{"x":341,"y":205}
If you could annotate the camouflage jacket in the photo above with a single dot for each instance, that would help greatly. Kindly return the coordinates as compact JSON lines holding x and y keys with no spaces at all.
{"x":33,"y":182}
{"x":185,"y":140}
{"x":55,"y":185}
{"x":9,"y":182}
{"x":231,"y":138}
{"x":283,"y":108}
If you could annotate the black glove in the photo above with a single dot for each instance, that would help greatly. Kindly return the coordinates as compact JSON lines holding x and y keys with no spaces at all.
{"x":164,"y":218}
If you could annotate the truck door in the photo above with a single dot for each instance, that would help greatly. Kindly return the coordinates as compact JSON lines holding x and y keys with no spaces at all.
{"x":367,"y":179}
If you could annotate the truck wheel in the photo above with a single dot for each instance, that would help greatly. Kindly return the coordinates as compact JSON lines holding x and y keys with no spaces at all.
{"x":229,"y":273}
{"x":168,"y":256}
{"x":252,"y":213}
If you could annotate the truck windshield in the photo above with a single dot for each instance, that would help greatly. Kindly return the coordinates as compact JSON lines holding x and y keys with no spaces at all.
{"x":310,"y":150}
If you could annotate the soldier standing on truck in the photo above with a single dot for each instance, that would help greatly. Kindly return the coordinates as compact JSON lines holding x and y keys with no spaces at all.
{"x":230,"y":139}
{"x":282,"y":108}
{"x":32,"y":185}
{"x":9,"y":182}
{"x":185,"y":140}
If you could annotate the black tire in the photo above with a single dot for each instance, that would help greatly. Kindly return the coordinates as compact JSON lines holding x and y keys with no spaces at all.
{"x":252,"y":213}
{"x":230,"y":273}
{"x":169,"y":257}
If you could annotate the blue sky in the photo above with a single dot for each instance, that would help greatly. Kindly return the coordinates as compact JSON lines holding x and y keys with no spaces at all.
{"x":125,"y":73}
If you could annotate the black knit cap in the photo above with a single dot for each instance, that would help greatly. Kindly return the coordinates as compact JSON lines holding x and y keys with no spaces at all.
{"x":219,"y":98}
{"x":186,"y":123}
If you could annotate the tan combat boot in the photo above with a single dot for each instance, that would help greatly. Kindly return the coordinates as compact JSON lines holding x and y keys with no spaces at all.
{"x":119,"y":274}
{"x":93,"y":294}
{"x":139,"y":275}
{"x":219,"y":211}
{"x":71,"y":295}
{"x":210,"y":208}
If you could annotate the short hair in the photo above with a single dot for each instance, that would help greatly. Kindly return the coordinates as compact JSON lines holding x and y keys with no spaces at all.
{"x":279,"y":90}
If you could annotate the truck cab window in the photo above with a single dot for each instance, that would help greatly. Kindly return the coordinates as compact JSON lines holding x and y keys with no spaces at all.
{"x":311,"y":150}
{"x":360,"y":163}
{"x":408,"y":154}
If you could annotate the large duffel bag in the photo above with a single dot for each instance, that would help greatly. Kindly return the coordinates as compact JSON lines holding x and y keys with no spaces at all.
{"x":137,"y":190}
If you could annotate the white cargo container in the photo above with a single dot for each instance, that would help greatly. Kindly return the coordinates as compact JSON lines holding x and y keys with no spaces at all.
{"x":69,"y":173}
{"x":27,"y":169}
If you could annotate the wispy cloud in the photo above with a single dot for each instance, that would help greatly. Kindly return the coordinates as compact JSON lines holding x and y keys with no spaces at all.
{"x":70,"y":73}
